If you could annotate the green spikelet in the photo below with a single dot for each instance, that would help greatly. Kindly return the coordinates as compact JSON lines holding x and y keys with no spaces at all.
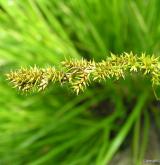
{"x":80,"y":73}
{"x":33,"y":78}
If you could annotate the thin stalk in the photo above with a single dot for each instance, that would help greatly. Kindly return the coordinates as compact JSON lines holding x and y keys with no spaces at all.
{"x":118,"y":140}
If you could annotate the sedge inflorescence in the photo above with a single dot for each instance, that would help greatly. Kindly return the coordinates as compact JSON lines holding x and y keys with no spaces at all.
{"x":80,"y":73}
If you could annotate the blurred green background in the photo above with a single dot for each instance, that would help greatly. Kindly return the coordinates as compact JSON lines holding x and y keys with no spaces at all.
{"x":110,"y":123}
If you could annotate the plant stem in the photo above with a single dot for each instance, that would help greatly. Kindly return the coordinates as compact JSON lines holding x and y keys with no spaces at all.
{"x":118,"y":140}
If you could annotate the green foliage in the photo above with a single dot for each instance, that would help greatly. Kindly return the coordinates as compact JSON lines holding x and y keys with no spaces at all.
{"x":57,"y":127}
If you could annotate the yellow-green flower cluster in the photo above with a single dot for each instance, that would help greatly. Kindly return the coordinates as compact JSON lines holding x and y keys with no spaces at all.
{"x":33,"y":78}
{"x":80,"y":73}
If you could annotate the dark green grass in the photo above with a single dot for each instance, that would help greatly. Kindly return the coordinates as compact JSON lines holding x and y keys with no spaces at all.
{"x":56,"y":126}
